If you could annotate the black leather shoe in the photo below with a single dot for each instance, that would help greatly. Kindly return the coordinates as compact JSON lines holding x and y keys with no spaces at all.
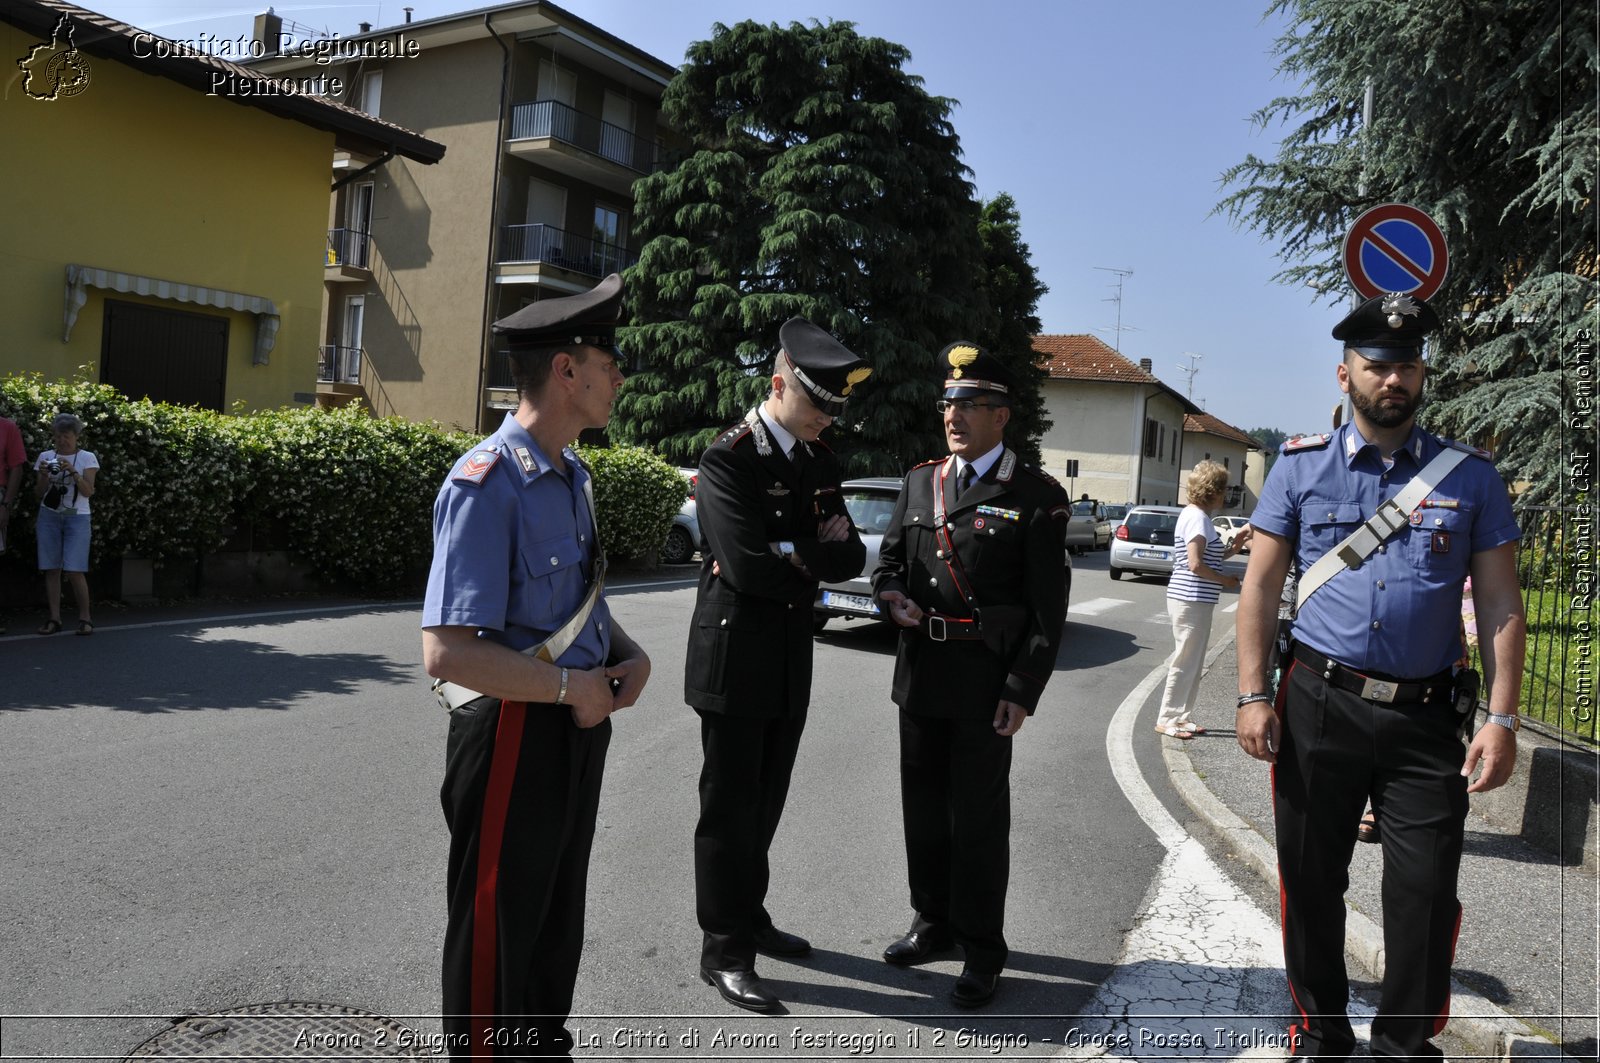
{"x":742,"y":989}
{"x":974,"y":988}
{"x":918,"y":946}
{"x":775,"y":942}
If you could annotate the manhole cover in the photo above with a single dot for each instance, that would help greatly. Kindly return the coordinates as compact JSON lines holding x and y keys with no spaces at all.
{"x":288,"y":1030}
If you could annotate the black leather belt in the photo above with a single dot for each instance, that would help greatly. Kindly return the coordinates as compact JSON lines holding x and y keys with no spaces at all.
{"x":1438,"y":688}
{"x":949,"y":628}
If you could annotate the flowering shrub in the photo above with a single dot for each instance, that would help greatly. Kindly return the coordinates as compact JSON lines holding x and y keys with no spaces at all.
{"x":637,"y":494}
{"x":349,"y":493}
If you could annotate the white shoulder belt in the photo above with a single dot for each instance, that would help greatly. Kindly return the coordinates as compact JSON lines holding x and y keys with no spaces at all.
{"x":1390,"y":518}
{"x":454,"y":695}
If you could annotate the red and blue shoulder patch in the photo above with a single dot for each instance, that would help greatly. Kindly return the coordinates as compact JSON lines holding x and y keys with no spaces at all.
{"x":1306,"y":443}
{"x":476,"y":466}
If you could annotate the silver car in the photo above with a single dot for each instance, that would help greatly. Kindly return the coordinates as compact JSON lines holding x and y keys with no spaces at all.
{"x":683,"y":539}
{"x":1143,"y":541}
{"x":1089,"y":527}
{"x":871,"y":503}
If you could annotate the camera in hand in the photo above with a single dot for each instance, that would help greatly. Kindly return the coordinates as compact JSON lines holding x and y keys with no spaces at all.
{"x":54,"y":465}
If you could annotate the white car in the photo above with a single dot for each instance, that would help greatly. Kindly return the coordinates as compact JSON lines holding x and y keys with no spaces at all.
{"x":1228,"y":527}
{"x":1143,"y":542}
{"x":871,"y":503}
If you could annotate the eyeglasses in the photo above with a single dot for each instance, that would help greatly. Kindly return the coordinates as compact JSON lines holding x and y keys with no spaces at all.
{"x":963,"y":405}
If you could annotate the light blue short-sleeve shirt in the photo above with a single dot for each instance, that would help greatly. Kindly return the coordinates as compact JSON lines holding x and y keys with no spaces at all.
{"x":1399,"y":613}
{"x":514,"y":548}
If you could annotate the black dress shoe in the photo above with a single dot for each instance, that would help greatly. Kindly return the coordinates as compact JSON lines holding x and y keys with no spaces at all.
{"x":974,"y":988}
{"x":742,"y":989}
{"x":775,"y":942}
{"x":918,"y":946}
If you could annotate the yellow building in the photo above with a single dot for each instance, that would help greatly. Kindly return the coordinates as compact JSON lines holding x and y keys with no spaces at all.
{"x":165,"y":213}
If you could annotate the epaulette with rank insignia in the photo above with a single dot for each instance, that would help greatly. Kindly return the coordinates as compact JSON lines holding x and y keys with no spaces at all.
{"x":1305,"y":443}
{"x":1041,"y":474}
{"x":1468,"y":448}
{"x":732,"y":435}
{"x":476,"y":466}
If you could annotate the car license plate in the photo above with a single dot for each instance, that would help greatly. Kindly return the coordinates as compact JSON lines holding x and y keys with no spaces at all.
{"x":1157,"y":555}
{"x":855,"y":603}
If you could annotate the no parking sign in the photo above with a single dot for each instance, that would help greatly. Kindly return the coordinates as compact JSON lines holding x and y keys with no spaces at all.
{"x":1396,"y":248}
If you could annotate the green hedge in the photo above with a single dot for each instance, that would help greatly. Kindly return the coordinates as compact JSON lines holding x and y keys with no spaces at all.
{"x":351,"y":494}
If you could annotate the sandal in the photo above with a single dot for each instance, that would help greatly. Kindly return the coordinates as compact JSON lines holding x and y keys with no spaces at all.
{"x":1368,"y":830}
{"x":50,"y":627}
{"x":1174,"y":732}
{"x":85,"y":628}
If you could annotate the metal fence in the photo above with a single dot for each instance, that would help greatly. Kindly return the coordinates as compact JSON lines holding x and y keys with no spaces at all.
{"x":339,"y":365}
{"x":348,"y":247}
{"x":1556,"y":570}
{"x":548,"y":245}
{"x":551,"y":118}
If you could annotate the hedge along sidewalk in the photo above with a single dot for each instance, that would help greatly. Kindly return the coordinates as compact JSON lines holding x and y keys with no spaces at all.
{"x":351,"y":494}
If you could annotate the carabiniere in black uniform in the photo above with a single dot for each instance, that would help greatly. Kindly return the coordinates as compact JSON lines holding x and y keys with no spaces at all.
{"x":748,"y":668}
{"x":988,"y":570}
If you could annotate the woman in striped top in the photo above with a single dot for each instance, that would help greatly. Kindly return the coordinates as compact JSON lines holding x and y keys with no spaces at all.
{"x":1192,"y":595}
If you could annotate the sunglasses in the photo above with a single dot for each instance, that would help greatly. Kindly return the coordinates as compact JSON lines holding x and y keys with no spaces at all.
{"x":963,"y":405}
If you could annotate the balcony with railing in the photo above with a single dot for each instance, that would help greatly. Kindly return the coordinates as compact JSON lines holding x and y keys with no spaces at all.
{"x":546,"y":245}
{"x":339,"y":365}
{"x":348,"y":256}
{"x":582,"y":145}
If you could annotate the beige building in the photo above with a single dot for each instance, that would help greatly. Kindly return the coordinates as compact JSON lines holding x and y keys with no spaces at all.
{"x":548,"y":121}
{"x":1123,"y":426}
{"x":1207,"y":437}
{"x":1133,"y":437}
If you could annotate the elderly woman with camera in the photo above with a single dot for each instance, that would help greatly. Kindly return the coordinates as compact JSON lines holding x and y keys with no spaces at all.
{"x":65,"y":484}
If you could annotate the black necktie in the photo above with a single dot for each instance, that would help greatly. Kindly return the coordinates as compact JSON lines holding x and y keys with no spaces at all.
{"x":963,"y":480}
{"x":798,"y":457}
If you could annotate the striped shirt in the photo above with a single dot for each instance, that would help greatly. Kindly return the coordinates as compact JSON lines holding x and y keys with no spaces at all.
{"x":1185,"y":586}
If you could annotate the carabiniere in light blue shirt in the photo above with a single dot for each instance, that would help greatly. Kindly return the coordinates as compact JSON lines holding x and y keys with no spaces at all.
{"x":1399,"y":614}
{"x":514,"y":548}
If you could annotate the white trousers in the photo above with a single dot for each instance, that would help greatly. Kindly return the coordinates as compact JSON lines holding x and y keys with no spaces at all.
{"x":1191,"y":630}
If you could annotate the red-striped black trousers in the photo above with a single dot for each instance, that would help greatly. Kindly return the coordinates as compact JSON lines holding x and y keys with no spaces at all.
{"x":1338,"y":750}
{"x":521,"y":792}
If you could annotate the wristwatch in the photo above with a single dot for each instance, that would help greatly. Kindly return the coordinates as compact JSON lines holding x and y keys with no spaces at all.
{"x":1510,"y":720}
{"x":786,"y":549}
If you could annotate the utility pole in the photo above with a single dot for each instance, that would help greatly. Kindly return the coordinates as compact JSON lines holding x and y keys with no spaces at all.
{"x":1122,"y":274}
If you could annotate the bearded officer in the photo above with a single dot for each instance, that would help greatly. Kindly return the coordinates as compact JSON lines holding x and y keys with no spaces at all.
{"x":973,"y":568}
{"x":774,"y":523}
{"x":517,"y":564}
{"x":1368,"y":705}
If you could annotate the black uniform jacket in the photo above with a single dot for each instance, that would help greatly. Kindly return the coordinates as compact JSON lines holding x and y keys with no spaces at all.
{"x":750,"y":640}
{"x":1009,"y":534}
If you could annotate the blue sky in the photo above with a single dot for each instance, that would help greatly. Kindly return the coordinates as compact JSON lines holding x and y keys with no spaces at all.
{"x":1109,"y":122}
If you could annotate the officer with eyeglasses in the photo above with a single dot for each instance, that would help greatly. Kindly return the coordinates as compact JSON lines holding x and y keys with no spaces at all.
{"x":973,"y":569}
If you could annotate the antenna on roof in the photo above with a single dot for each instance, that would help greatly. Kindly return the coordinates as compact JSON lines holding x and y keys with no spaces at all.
{"x":1190,"y":370}
{"x":1122,"y":274}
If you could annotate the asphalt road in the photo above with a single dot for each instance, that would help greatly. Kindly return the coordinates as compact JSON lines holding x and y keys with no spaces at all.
{"x":204,"y":814}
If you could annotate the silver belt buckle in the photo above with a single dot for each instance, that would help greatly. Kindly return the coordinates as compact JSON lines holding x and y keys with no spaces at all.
{"x":438,"y":692}
{"x":1378,"y":690}
{"x":939,"y":633}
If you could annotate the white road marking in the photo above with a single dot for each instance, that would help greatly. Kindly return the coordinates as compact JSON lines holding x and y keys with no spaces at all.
{"x":1096,"y":606}
{"x":1201,"y":972}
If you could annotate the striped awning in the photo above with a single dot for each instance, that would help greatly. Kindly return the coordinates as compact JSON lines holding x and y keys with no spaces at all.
{"x":81,"y":278}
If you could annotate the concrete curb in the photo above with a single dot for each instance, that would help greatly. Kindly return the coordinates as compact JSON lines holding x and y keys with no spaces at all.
{"x":1483,"y":1028}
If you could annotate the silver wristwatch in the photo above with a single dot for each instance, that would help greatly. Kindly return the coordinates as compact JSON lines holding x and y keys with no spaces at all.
{"x":786,"y":549}
{"x":1510,"y":720}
